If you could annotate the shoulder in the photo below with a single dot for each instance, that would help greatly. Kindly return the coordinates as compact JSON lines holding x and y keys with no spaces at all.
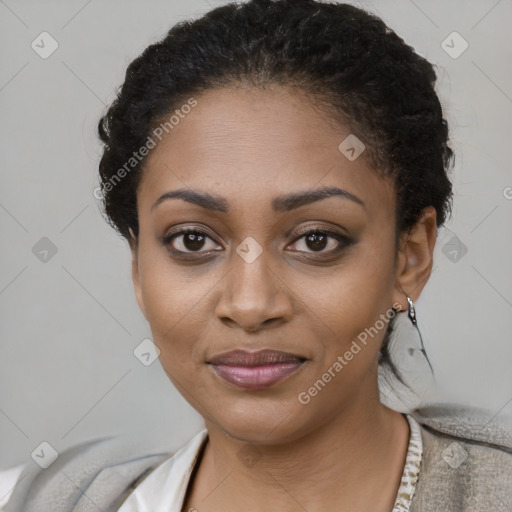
{"x":94,"y":475}
{"x":466,"y":462}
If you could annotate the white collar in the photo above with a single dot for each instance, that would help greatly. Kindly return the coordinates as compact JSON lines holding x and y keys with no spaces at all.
{"x":163,"y":490}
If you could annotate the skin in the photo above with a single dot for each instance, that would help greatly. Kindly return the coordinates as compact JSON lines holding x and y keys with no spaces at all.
{"x":344,"y":449}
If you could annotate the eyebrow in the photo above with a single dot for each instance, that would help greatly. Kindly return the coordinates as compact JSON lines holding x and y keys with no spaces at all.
{"x":281,"y":204}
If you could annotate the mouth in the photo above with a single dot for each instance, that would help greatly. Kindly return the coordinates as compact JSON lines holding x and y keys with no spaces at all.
{"x":256,"y":370}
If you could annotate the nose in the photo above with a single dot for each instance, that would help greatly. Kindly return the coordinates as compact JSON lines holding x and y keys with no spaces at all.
{"x":254,"y":297}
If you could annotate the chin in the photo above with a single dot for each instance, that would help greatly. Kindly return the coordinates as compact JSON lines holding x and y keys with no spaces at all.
{"x":265,"y":424}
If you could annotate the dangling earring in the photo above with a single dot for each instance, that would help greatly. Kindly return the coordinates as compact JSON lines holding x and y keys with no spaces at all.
{"x":411,"y":313}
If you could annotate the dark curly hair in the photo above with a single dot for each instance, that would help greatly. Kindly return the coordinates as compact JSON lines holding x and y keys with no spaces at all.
{"x":359,"y":72}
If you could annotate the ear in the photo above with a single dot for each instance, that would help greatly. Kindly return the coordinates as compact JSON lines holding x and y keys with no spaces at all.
{"x":134,"y":247}
{"x":415,"y":258}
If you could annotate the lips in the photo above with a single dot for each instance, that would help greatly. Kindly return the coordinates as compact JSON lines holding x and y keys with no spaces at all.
{"x":260,"y":358}
{"x":255,"y":370}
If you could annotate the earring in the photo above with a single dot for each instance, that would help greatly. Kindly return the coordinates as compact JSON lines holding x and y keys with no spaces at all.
{"x":411,"y":313}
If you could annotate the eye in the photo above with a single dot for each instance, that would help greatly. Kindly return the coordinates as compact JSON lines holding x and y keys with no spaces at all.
{"x":195,"y":241}
{"x":189,"y":241}
{"x":321,"y":241}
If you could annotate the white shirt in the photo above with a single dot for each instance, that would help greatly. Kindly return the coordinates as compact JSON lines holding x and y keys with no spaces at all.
{"x":163,"y":490}
{"x":8,"y":479}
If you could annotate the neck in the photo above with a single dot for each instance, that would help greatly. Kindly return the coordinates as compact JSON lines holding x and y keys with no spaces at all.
{"x":352,"y":462}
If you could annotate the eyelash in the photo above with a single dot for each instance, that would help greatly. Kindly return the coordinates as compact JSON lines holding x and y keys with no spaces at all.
{"x":343,"y":240}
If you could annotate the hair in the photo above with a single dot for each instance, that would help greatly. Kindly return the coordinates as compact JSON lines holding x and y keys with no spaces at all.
{"x":358,"y":70}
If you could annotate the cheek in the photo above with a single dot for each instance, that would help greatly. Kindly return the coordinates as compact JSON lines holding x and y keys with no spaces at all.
{"x":363,"y":284}
{"x":352,"y":301}
{"x":173,"y":302}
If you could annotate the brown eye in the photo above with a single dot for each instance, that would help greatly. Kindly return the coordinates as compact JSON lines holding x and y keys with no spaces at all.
{"x":189,"y":241}
{"x":317,"y":241}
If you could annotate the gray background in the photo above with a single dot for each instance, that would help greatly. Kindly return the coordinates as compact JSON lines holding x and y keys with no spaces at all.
{"x":70,"y":324}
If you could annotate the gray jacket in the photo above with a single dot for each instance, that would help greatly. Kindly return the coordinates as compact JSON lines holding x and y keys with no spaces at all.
{"x":466,"y":467}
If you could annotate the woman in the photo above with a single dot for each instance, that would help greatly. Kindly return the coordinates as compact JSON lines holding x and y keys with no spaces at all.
{"x":279,"y":169}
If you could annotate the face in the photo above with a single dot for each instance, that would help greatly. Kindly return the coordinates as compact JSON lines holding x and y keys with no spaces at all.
{"x":250,"y":275}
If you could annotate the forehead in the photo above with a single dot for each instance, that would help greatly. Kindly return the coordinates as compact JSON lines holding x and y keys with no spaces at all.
{"x":251,"y":145}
